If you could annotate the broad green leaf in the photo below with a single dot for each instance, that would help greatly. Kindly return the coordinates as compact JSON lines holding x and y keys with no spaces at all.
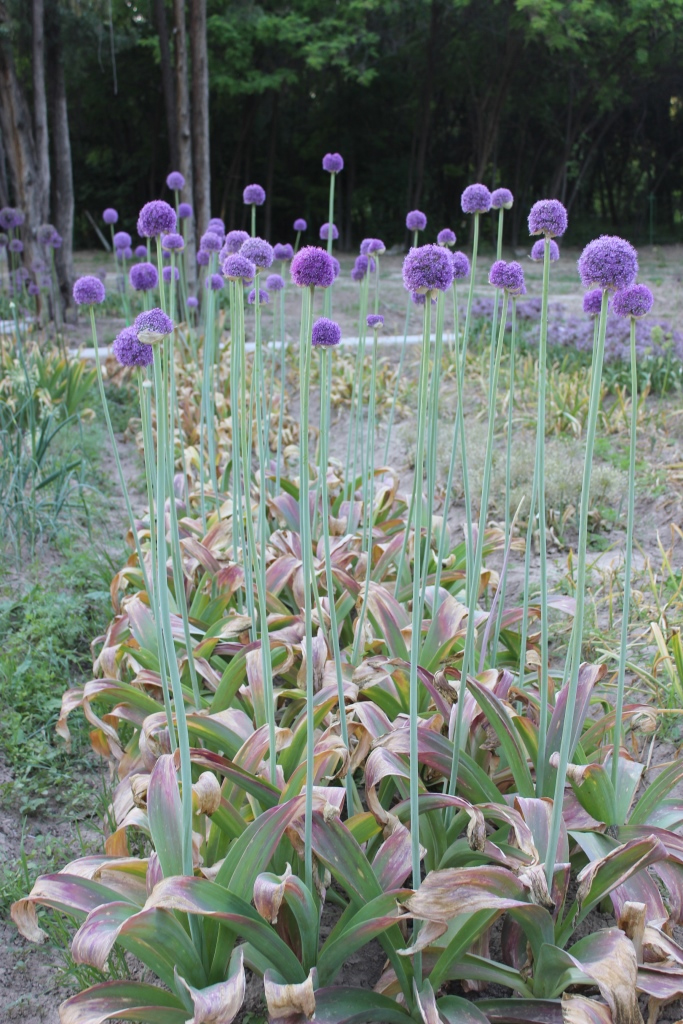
{"x":123,"y":1000}
{"x":165,"y":813}
{"x":499,"y":721}
{"x":374,"y":918}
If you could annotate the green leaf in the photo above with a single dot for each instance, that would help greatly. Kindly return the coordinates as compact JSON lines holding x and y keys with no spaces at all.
{"x":165,"y":813}
{"x":123,"y":1000}
{"x":499,"y":721}
{"x":374,"y":918}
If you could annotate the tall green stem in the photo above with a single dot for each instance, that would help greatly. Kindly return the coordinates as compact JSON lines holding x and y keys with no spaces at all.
{"x":368,"y":504}
{"x":508,"y":471}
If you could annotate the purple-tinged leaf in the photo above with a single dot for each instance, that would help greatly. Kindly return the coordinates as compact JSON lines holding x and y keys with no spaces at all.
{"x":639,"y":888}
{"x":578,"y":1009}
{"x":521,"y":1011}
{"x":219,"y":1003}
{"x":165,"y":813}
{"x":73,"y":895}
{"x":376,"y":917}
{"x":601,"y":876}
{"x":662,"y":984}
{"x":346,"y":1005}
{"x":589,"y":675}
{"x":392,"y":862}
{"x":123,"y":1000}
{"x":609,"y":958}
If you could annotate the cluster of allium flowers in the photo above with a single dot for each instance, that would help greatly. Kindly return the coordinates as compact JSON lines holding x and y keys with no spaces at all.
{"x":259,"y":252}
{"x":130,"y":351}
{"x":326,"y":332}
{"x":16,"y":245}
{"x":375,"y":320}
{"x":141,"y":252}
{"x":501,"y":199}
{"x":192,"y":301}
{"x":509,"y":276}
{"x":372,"y":245}
{"x":217,"y":225}
{"x":173,"y":242}
{"x":283,"y":251}
{"x":254,"y":195}
{"x":361,"y":267}
{"x":88,"y":291}
{"x":214,"y":282}
{"x":203,"y":257}
{"x":446,"y":237}
{"x":325,"y":232}
{"x":312,"y":267}
{"x":460,"y":265}
{"x":333,"y":162}
{"x":110,"y":215}
{"x":175,"y":181}
{"x":170,"y":272}
{"x":237,"y":267}
{"x":636,"y":301}
{"x":46,"y":233}
{"x":143,"y":277}
{"x":234,"y":240}
{"x":547,"y":217}
{"x":152,"y":325}
{"x":538,"y":249}
{"x":476,"y":199}
{"x":263,"y":297}
{"x":275,"y":283}
{"x":210,"y":242}
{"x":608,"y":262}
{"x":156,"y":218}
{"x":185,"y":211}
{"x":122,"y":240}
{"x":416,"y":220}
{"x":427,"y":268}
{"x":592,"y":302}
{"x":300,"y":224}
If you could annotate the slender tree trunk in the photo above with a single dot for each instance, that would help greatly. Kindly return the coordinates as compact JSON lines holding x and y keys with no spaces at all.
{"x":270,"y":172}
{"x":62,"y":178}
{"x":167,"y":81}
{"x":200,"y":114}
{"x":183,"y":119}
{"x":4,"y":185}
{"x":40,"y":112}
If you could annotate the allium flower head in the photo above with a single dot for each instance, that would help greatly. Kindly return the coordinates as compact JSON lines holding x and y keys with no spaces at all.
{"x":234,"y":240}
{"x":420,"y":299}
{"x":461,"y":265}
{"x":192,"y":301}
{"x":33,"y":288}
{"x":326,"y":332}
{"x":360,"y":268}
{"x":336,"y":267}
{"x":259,"y":252}
{"x":275,"y":283}
{"x":416,"y":220}
{"x":56,"y":240}
{"x":446,"y":237}
{"x":375,"y":320}
{"x":16,"y":245}
{"x":300,"y":224}
{"x":509,"y":276}
{"x":173,"y":242}
{"x":152,"y":325}
{"x":175,"y":181}
{"x":476,"y":199}
{"x":325,"y":232}
{"x":217,"y":226}
{"x":254,"y":195}
{"x":210,"y":242}
{"x":592,"y":302}
{"x":130,"y":351}
{"x":156,"y":218}
{"x":263,"y":297}
{"x":127,"y":253}
{"x":46,"y":233}
{"x":635,"y":301}
{"x":547,"y":217}
{"x":372,"y":245}
{"x":109,"y":216}
{"x":143,"y":277}
{"x":203,"y":257}
{"x":608,"y":262}
{"x":236,"y":267}
{"x":427,"y":268}
{"x":169,"y":272}
{"x":88,"y":291}
{"x":141,"y":252}
{"x":538,"y":248}
{"x":501,"y":199}
{"x":333,"y":162}
{"x":122,"y":240}
{"x":184,"y":211}
{"x":283,"y":252}
{"x":215,"y":282}
{"x":312,"y":267}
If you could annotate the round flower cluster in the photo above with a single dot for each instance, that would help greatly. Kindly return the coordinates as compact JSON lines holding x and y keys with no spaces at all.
{"x":476,"y":199}
{"x":509,"y":276}
{"x":185,"y":211}
{"x":152,"y":325}
{"x":192,"y":301}
{"x":263,"y":297}
{"x":237,"y":267}
{"x":16,"y":245}
{"x":326,"y":332}
{"x":88,"y":291}
{"x":375,"y":320}
{"x":46,"y":233}
{"x":325,"y":232}
{"x":592,"y":302}
{"x":547,"y":217}
{"x":175,"y":181}
{"x":141,"y":252}
{"x":312,"y":267}
{"x":130,"y":351}
{"x":538,"y":249}
{"x":333,"y":162}
{"x":203,"y":257}
{"x":156,"y":218}
{"x":416,"y":220}
{"x":214,"y":282}
{"x":259,"y":252}
{"x":372,"y":245}
{"x":254,"y":195}
{"x":446,"y":237}
{"x":234,"y":240}
{"x":427,"y":268}
{"x":275,"y":283}
{"x":217,"y":226}
{"x":122,"y":240}
{"x":300,"y":224}
{"x":283,"y":252}
{"x":143,"y":277}
{"x":460,"y":265}
{"x":168,"y":275}
{"x":608,"y":262}
{"x":635,"y":301}
{"x":173,"y":242}
{"x":109,"y":216}
{"x":501,"y":199}
{"x":210,"y":242}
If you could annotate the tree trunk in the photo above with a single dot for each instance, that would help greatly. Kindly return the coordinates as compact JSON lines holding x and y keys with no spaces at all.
{"x":425,"y":109}
{"x":40,"y":112}
{"x":184,"y":127}
{"x":4,"y":186}
{"x":200,"y":114}
{"x":62,"y":178}
{"x":167,"y":82}
{"x":270,"y":171}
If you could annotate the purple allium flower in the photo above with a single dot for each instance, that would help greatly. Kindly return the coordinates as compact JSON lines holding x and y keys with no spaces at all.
{"x":336,"y":267}
{"x":45,"y":233}
{"x":217,"y":226}
{"x":476,"y":199}
{"x":636,"y":301}
{"x":325,"y":232}
{"x":592,"y":302}
{"x":360,"y":268}
{"x":33,"y":289}
{"x":56,"y":240}
{"x":110,"y":216}
{"x":175,"y":181}
{"x":141,"y":252}
{"x":254,"y":195}
{"x":210,"y":242}
{"x":283,"y":252}
{"x":88,"y":291}
{"x":446,"y":237}
{"x":234,"y":240}
{"x":375,"y":320}
{"x":537,"y":250}
{"x":203,"y":257}
{"x":11,"y":218}
{"x":167,"y":274}
{"x":333,"y":162}
{"x":275,"y":283}
{"x":16,"y":245}
{"x":143,"y":277}
{"x":501,"y":199}
{"x":259,"y":252}
{"x":236,"y":266}
{"x":215,"y":282}
{"x":122,"y":240}
{"x":152,"y":325}
{"x":263,"y":297}
{"x":326,"y":332}
{"x":185,"y":211}
{"x":300,"y":224}
{"x":312,"y":267}
{"x":509,"y":276}
{"x":416,"y":220}
{"x":426,"y":268}
{"x":192,"y":301}
{"x":127,"y":253}
{"x":372,"y":245}
{"x":174,"y":242}
{"x":130,"y":351}
{"x":461,"y":265}
{"x":156,"y":218}
{"x":608,"y":262}
{"x":3,"y":240}
{"x":420,"y":299}
{"x":547,"y":217}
